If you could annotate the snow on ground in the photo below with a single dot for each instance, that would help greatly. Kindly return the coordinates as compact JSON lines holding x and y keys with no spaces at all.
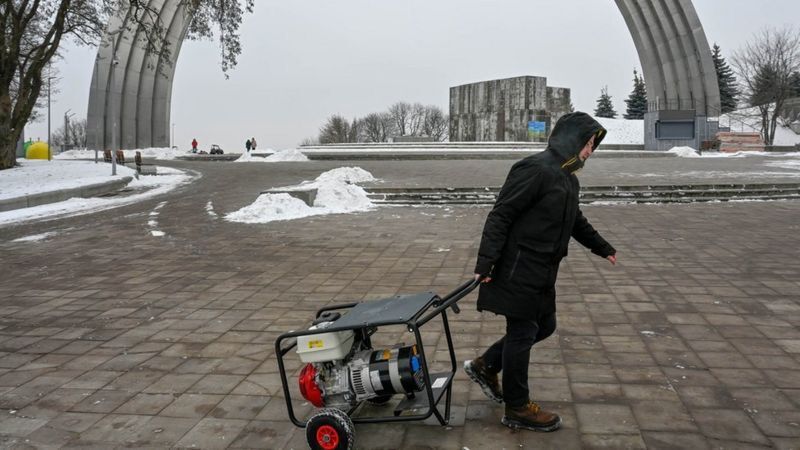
{"x":793,"y":164}
{"x":749,"y":120}
{"x":37,"y":176}
{"x":336,"y":193}
{"x":210,"y":209}
{"x":164,"y":153}
{"x":36,"y":237}
{"x":289,"y":154}
{"x":153,"y":222}
{"x":44,"y":176}
{"x":621,"y":131}
{"x":685,"y":152}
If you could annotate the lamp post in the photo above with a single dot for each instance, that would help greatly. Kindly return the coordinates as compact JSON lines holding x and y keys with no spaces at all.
{"x":97,"y":139}
{"x":114,"y":64}
{"x":113,"y":108}
{"x":67,"y":115}
{"x":49,"y":152}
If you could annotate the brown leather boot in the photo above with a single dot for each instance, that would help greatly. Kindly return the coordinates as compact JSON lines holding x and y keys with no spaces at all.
{"x":476,"y":369}
{"x":531,"y":417}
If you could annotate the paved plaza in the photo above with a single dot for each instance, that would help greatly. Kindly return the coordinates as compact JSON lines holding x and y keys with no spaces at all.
{"x":111,"y":337}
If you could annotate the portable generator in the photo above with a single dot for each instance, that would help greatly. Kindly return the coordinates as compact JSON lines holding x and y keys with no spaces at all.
{"x":342,"y":370}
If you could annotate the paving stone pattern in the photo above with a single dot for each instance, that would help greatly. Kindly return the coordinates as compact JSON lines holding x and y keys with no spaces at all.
{"x":110,"y":337}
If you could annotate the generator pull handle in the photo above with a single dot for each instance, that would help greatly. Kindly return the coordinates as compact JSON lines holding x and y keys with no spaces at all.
{"x":449,"y":300}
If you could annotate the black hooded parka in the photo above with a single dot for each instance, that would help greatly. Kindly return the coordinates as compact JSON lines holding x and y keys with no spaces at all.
{"x":527,"y":231}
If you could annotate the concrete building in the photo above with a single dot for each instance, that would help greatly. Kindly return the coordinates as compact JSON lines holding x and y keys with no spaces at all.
{"x":512,"y":109}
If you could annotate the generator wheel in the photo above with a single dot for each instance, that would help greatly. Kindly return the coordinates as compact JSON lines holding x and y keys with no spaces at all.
{"x":330,"y":429}
{"x":380,"y":400}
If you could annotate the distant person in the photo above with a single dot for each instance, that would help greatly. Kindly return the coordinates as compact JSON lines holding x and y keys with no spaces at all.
{"x":247,"y":145}
{"x":194,"y":145}
{"x":253,"y":143}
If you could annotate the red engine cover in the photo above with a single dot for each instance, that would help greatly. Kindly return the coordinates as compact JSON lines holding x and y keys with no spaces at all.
{"x":308,"y":386}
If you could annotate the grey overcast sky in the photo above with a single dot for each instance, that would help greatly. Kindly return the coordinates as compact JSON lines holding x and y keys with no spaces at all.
{"x":305,"y":60}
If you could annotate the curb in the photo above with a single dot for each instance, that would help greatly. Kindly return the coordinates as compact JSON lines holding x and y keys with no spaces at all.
{"x":43,"y":198}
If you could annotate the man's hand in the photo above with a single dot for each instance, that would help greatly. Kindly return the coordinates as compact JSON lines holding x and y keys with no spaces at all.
{"x":485,"y":280}
{"x":613,"y":259}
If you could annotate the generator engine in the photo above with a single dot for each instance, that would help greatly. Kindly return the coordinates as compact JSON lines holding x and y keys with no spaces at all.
{"x":341,"y":371}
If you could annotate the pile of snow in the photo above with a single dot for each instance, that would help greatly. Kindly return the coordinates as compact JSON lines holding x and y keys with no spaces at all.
{"x":684,"y":152}
{"x":351,"y":175}
{"x":163,"y":153}
{"x":247,"y":157}
{"x":621,"y":131}
{"x":336,"y":193}
{"x":289,"y":154}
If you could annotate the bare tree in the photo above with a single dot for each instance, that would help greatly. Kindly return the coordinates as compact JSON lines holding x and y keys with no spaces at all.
{"x":416,"y":119}
{"x":335,"y":131}
{"x":402,"y":119}
{"x":400,"y":113}
{"x":765,"y":67}
{"x":356,"y":131}
{"x":436,"y":123}
{"x":75,"y":137}
{"x":309,"y":141}
{"x":377,"y":127}
{"x":33,"y":31}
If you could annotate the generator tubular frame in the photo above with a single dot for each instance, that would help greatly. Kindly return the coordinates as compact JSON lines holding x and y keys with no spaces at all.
{"x":435,"y":306}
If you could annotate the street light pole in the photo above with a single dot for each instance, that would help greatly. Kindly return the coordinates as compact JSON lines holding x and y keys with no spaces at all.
{"x":48,"y":118}
{"x":114,"y":63}
{"x":66,"y":128}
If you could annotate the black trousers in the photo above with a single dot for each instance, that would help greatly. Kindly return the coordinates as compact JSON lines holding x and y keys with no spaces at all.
{"x":512,"y":354}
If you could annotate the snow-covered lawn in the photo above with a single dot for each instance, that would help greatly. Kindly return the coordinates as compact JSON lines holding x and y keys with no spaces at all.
{"x":37,"y":176}
{"x":749,"y":120}
{"x":46,"y":176}
{"x":621,"y":131}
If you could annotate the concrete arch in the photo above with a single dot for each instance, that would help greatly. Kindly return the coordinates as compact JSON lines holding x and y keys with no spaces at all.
{"x":675,"y":55}
{"x":134,"y":112}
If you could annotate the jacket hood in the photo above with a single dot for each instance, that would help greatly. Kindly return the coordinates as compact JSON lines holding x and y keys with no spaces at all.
{"x":572,"y":132}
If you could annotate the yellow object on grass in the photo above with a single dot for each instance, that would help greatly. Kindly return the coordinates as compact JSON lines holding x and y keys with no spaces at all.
{"x":37,"y":150}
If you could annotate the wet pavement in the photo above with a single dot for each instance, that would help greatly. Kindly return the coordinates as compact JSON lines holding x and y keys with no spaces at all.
{"x":112,"y":337}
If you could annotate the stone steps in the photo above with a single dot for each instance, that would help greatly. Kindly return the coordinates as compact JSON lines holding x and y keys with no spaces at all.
{"x":731,"y":142}
{"x":591,"y":194}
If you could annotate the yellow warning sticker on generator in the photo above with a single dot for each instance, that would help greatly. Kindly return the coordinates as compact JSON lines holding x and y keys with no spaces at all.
{"x":316,"y":344}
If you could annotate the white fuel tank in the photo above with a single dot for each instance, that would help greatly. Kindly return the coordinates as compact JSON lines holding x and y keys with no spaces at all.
{"x":325,"y":346}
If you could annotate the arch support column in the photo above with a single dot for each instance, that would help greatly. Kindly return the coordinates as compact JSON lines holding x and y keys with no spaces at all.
{"x":682,"y":89}
{"x":130,"y":101}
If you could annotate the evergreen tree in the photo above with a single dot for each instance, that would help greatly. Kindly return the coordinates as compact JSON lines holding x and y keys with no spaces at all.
{"x":728,"y":92}
{"x":605,"y":108}
{"x":795,"y":82}
{"x":637,"y":101}
{"x":767,"y":86}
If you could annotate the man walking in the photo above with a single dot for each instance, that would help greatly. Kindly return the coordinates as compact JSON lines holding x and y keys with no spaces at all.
{"x":524,"y":239}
